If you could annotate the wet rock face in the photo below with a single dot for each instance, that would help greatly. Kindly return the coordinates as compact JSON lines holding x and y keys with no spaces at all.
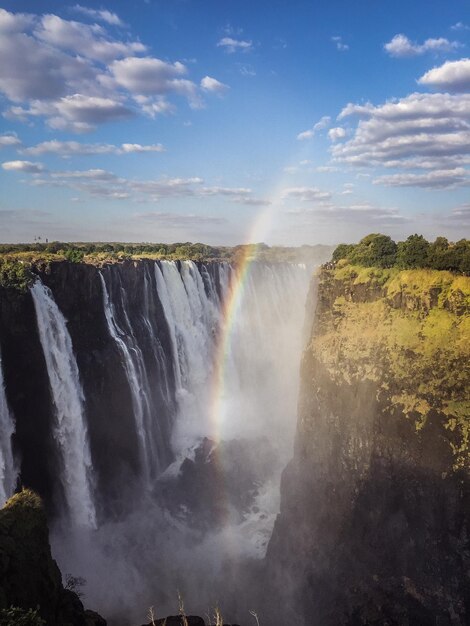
{"x":375,"y":510}
{"x":77,"y":290}
{"x":29,"y":576}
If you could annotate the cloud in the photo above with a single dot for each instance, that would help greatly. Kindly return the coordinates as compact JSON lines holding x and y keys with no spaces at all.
{"x":23,"y":166}
{"x":460,"y":26}
{"x":90,"y":41}
{"x":437,"y":179}
{"x":231,"y":45}
{"x":104,"y":184}
{"x":323,"y":123}
{"x":103,"y":15}
{"x":212,"y":85}
{"x":76,"y":75}
{"x":177,"y":220}
{"x":364,"y":214}
{"x":461,"y":214}
{"x":73,"y":148}
{"x":340,"y":45}
{"x":336,"y":133}
{"x":136,"y":147}
{"x":150,"y":76}
{"x":14,"y":22}
{"x":453,"y":76}
{"x":427,"y":131}
{"x":400,"y":46}
{"x":306,"y":194}
{"x":9,"y":139}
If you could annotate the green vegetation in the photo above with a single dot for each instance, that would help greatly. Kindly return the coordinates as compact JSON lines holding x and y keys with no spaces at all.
{"x":15,"y":616}
{"x":376,"y":250}
{"x":408,"y":331}
{"x":15,"y":274}
{"x":17,"y":260}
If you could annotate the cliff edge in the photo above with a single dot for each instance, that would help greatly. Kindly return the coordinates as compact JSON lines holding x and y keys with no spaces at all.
{"x":29,"y":576}
{"x":375,"y":510}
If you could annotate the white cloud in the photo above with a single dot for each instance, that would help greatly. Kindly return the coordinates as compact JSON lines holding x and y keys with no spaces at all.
{"x":453,"y":76}
{"x":14,"y":22}
{"x":306,"y":194}
{"x":231,"y":45}
{"x":90,"y":41}
{"x":355,"y":214}
{"x":150,"y":76}
{"x":401,"y":46}
{"x":136,"y":147}
{"x":104,"y":184}
{"x":105,"y":16}
{"x":9,"y":139}
{"x":323,"y":123}
{"x":428,"y":131}
{"x":336,"y":133}
{"x":23,"y":166}
{"x":212,"y":85}
{"x":75,"y":75}
{"x":177,"y":220}
{"x":460,"y":26}
{"x":340,"y":45}
{"x":73,"y":148}
{"x":437,"y":179}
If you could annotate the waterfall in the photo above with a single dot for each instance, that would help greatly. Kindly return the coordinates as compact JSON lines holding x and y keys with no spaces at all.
{"x":8,"y":469}
{"x":69,"y":429}
{"x":134,"y":366}
{"x":193,"y":318}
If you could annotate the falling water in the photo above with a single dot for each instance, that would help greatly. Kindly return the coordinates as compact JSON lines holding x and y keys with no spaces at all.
{"x":8,"y":469}
{"x":137,"y":377}
{"x":69,"y":429}
{"x":165,"y":320}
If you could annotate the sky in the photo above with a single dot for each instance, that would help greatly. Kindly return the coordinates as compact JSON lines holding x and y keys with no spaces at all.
{"x":234,"y":121}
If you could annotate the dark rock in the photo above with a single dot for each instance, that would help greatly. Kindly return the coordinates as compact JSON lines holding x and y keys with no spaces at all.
{"x":29,"y":576}
{"x":375,"y":517}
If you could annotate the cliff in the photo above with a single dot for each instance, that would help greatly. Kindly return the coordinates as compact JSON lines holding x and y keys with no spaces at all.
{"x":375,"y":510}
{"x":29,"y":577}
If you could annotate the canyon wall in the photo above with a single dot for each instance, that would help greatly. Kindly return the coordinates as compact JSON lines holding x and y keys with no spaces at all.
{"x":375,"y":509}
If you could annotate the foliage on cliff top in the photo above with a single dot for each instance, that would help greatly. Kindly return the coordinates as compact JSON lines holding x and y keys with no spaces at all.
{"x":408,"y":331}
{"x":15,"y":274}
{"x":98,"y":253}
{"x":416,"y":252}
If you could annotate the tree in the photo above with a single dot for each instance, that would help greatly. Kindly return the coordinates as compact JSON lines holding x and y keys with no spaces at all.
{"x":413,"y":253}
{"x":343,"y":251}
{"x":438,"y":254}
{"x":375,"y":250}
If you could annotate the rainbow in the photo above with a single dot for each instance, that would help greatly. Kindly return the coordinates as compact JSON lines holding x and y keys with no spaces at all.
{"x":231,"y":306}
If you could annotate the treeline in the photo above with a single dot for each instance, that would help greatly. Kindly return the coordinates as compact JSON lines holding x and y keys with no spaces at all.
{"x":76,"y":251}
{"x":376,"y":250}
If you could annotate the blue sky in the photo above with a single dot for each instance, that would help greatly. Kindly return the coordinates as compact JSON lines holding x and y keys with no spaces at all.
{"x":225,"y":121}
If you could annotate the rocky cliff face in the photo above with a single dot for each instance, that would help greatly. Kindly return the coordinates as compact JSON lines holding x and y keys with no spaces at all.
{"x":29,"y":577}
{"x":375,"y":511}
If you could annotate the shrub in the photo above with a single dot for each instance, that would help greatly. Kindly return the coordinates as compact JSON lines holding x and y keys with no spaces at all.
{"x":15,"y":616}
{"x":15,"y":275}
{"x":74,"y":255}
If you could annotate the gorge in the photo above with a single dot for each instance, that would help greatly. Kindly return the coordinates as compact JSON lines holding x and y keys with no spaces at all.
{"x":156,"y":420}
{"x":152,"y":418}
